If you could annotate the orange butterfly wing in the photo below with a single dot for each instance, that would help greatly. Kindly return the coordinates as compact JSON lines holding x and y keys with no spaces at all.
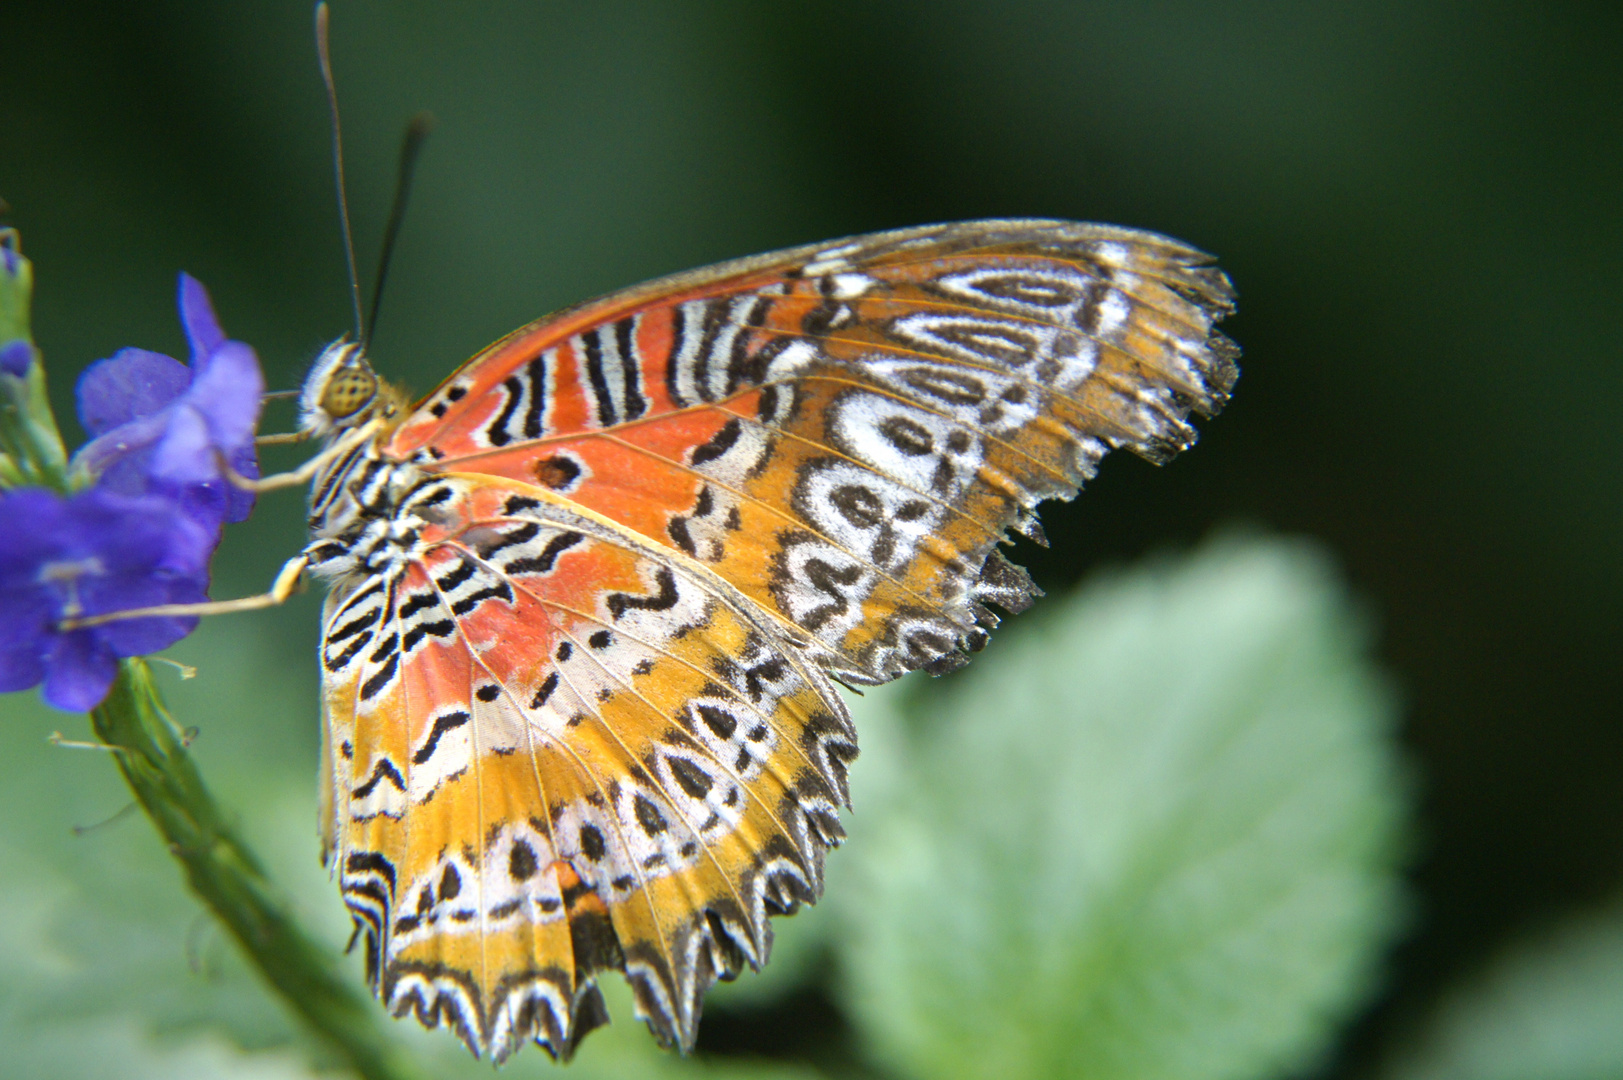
{"x":592,"y":726}
{"x":846,"y":431}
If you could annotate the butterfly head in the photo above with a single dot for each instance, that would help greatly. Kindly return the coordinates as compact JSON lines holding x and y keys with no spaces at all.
{"x":343,"y":392}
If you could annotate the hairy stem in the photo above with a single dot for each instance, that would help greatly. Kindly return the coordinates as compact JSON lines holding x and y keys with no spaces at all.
{"x":227,"y":877}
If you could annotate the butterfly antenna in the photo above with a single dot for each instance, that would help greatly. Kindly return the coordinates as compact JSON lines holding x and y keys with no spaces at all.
{"x":325,"y":56}
{"x":416,"y":134}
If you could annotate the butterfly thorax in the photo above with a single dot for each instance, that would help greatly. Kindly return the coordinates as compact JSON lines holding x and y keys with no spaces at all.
{"x":358,"y":523}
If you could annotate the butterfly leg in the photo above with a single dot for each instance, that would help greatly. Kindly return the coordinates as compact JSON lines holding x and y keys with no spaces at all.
{"x":280,"y":438}
{"x":304,"y":473}
{"x":282,"y":588}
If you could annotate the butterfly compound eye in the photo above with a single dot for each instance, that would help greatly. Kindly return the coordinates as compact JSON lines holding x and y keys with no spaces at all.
{"x":348,"y":391}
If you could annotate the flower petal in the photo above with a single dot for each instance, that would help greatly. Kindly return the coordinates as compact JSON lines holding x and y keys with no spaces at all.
{"x":22,"y":550}
{"x":202,"y":326}
{"x":21,"y":666}
{"x":229,"y":395}
{"x":185,"y":454}
{"x":79,"y":672}
{"x":138,"y":637}
{"x":23,"y":632}
{"x":131,"y":384}
{"x":93,"y":553}
{"x":149,"y":553}
{"x":239,"y":503}
{"x":138,"y":537}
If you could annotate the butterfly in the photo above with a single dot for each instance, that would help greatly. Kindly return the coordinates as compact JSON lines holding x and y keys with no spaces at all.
{"x":591,"y":599}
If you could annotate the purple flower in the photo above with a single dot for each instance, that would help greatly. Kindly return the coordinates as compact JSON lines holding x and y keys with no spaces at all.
{"x":160,"y":427}
{"x":15,"y":356}
{"x":89,"y":554}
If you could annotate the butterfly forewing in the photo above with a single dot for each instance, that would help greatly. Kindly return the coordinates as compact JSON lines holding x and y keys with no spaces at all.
{"x":581,"y":718}
{"x":845,"y":432}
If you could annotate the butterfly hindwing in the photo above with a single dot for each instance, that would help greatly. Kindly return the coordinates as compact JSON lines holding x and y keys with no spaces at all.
{"x":846,"y":432}
{"x":555,"y":750}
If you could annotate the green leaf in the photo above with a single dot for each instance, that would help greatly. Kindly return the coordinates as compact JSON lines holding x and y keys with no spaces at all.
{"x":1551,"y":1009}
{"x":118,"y":1048}
{"x":1152,"y":833}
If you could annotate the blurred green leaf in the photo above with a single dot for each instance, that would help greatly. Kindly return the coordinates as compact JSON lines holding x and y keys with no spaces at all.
{"x":1152,"y":833}
{"x":1549,"y":1010}
{"x":109,"y":968}
{"x":100,"y":924}
{"x":122,"y":1048}
{"x":308,"y":975}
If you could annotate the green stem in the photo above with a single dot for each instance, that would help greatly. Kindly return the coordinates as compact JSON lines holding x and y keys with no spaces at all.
{"x":227,"y":877}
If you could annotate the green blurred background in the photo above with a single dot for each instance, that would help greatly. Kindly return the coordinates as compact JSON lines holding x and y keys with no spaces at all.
{"x":1419,"y":203}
